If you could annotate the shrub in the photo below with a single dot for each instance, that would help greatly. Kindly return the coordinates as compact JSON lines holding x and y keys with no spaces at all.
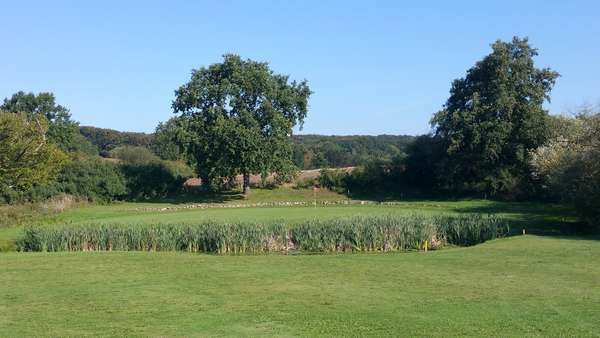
{"x":332,"y":179}
{"x":304,"y":183}
{"x":568,"y":167}
{"x":155,"y":179}
{"x":94,"y":179}
{"x":373,"y":233}
{"x":133,"y":155}
{"x":370,"y":177}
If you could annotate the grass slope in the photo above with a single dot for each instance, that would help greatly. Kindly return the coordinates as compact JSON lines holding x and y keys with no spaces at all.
{"x":520,"y":286}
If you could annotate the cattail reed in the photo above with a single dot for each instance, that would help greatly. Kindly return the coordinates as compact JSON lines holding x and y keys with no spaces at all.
{"x":356,"y":234}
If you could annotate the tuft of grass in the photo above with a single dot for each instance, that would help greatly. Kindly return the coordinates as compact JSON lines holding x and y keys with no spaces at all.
{"x":363,"y":233}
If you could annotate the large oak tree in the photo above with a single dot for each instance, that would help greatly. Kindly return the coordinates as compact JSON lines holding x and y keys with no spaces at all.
{"x":493,"y":118}
{"x":238,"y":117}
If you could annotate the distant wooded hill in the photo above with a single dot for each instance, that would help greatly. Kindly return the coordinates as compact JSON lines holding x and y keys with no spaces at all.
{"x":318,"y":151}
{"x":310,"y":151}
{"x":108,"y":139}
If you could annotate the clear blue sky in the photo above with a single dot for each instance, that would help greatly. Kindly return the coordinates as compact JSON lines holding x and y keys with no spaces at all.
{"x":375,"y":66}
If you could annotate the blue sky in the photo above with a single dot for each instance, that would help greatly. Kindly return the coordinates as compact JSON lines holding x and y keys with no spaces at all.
{"x":375,"y":66}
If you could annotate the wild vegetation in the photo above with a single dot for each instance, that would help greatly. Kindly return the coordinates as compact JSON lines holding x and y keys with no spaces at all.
{"x":372,"y":233}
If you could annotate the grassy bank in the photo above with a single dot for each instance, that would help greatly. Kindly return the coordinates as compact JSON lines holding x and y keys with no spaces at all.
{"x":519,"y":286}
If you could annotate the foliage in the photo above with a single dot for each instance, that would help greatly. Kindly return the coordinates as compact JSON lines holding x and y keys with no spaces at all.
{"x":421,"y":168}
{"x":493,"y":118}
{"x":568,"y":165}
{"x":108,"y":139}
{"x":308,"y":151}
{"x":26,"y":157}
{"x":133,"y":155}
{"x":93,"y":179}
{"x":238,"y":117}
{"x":318,"y":151}
{"x":376,"y":233}
{"x":375,"y":177}
{"x":62,"y":131}
{"x":332,"y":179}
{"x":166,"y":142}
{"x":155,"y":179}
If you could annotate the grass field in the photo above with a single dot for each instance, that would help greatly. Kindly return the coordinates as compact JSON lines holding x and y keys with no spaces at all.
{"x":514,"y":287}
{"x":519,"y":286}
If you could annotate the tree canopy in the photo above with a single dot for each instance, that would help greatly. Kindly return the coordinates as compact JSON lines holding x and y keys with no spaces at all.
{"x":62,"y":131}
{"x":567,"y":164}
{"x":108,"y":139}
{"x":238,"y":116}
{"x":165,"y":142}
{"x":493,"y":118}
{"x":26,"y":156}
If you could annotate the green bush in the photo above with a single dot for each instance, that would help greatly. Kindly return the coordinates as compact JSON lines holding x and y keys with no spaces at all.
{"x":155,"y":179}
{"x":133,"y":155}
{"x":94,"y":179}
{"x":332,"y":179}
{"x":568,"y":168}
{"x":373,"y":233}
{"x":304,"y":183}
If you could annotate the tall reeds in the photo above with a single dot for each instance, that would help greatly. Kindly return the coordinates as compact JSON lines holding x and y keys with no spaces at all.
{"x":364,"y":233}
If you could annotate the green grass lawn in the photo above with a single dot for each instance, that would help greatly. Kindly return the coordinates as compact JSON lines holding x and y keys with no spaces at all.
{"x":517,"y":286}
{"x":514,"y":287}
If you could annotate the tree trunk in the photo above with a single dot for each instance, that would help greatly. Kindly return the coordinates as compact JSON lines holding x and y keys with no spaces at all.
{"x":246,"y":184}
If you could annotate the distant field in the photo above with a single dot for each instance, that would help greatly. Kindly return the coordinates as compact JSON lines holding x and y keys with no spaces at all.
{"x":515,"y":287}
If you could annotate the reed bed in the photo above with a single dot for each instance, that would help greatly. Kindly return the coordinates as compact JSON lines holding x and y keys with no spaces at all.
{"x":354,"y":234}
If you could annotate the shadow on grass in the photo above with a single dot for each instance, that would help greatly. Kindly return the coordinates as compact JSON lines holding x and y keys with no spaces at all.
{"x":536,"y":218}
{"x":544,"y":219}
{"x":198,"y":197}
{"x":405,"y":197}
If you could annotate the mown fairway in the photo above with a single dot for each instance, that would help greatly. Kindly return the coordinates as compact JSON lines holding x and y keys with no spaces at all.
{"x":520,"y":286}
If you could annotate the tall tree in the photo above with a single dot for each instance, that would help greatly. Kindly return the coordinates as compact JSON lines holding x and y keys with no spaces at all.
{"x":62,"y":131}
{"x":26,"y":157}
{"x":239,"y":116}
{"x":493,"y":118}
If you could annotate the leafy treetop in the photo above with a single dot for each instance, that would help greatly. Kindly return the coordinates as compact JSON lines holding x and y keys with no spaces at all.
{"x":239,"y":117}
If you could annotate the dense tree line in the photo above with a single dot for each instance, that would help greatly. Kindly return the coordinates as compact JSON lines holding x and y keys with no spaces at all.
{"x":308,"y":151}
{"x":43,"y":153}
{"x":318,"y":151}
{"x":108,"y":139}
